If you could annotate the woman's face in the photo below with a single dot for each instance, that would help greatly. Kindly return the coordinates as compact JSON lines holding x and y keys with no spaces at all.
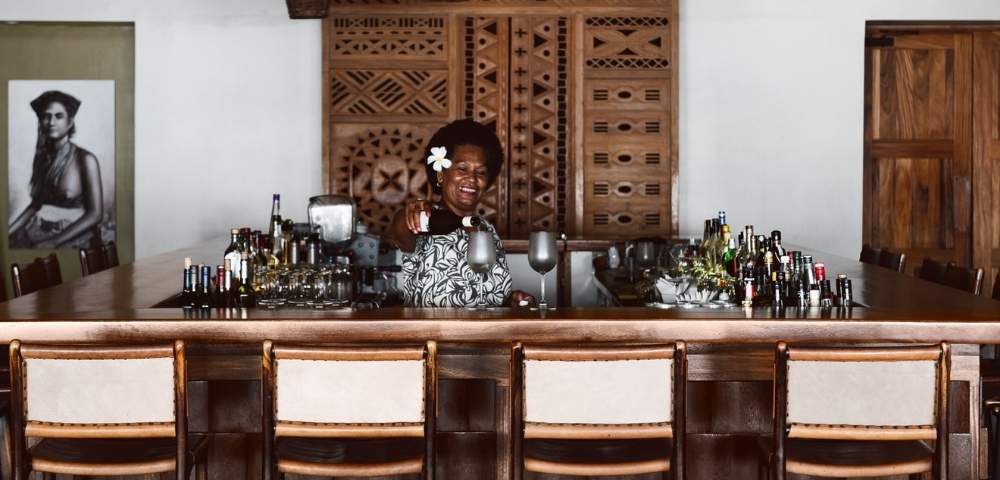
{"x":55,"y":121}
{"x":464,"y":182}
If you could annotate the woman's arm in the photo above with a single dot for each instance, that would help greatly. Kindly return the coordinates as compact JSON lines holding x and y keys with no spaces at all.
{"x":93,"y":204}
{"x":406,"y":224}
{"x":23,"y":218}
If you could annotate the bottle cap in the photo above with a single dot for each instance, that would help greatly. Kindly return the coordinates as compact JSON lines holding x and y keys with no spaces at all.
{"x":776,"y":234}
{"x":187,"y":263}
{"x":235,"y":231}
{"x":276,"y":196}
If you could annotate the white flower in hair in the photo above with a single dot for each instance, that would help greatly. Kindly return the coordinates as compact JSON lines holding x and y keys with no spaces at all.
{"x":438,"y":160}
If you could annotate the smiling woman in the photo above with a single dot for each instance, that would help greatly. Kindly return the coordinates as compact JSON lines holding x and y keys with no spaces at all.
{"x":463,"y":160}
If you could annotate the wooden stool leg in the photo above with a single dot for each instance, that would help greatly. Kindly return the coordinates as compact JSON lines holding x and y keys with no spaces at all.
{"x":201,"y":471}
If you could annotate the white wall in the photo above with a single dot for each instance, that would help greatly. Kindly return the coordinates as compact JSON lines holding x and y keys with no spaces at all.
{"x":227,"y":110}
{"x":771,"y":111}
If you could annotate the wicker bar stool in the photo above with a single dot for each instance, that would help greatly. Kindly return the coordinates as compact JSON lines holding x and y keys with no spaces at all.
{"x":588,"y":411}
{"x":131,"y":422}
{"x":861,"y":412}
{"x":348,"y":411}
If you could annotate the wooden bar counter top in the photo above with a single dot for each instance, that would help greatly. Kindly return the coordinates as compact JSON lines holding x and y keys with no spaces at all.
{"x":730,"y":364}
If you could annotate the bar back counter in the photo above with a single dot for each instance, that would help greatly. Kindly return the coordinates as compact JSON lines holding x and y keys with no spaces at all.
{"x":730,"y":359}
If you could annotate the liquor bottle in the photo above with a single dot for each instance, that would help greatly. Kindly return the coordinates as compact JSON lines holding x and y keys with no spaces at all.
{"x":729,"y":252}
{"x":193,"y":274}
{"x":444,"y":221}
{"x":245,"y":299}
{"x":722,"y":218}
{"x":272,"y":259}
{"x":187,"y":291}
{"x":825,"y":295}
{"x":808,"y":273}
{"x":776,"y":244}
{"x":847,"y":299}
{"x":229,"y":285}
{"x":205,"y":293}
{"x":257,"y":257}
{"x":232,"y":255}
{"x":219,"y":300}
{"x":275,"y":222}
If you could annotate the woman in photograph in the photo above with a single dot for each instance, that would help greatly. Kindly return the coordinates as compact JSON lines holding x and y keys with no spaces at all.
{"x":463,"y":160}
{"x":65,"y":177}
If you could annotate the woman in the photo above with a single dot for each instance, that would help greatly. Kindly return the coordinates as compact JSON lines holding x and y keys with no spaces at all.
{"x":64,"y":176}
{"x":463,"y":160}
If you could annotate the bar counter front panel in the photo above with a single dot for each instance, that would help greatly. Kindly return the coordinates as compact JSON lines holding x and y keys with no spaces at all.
{"x":730,"y":361}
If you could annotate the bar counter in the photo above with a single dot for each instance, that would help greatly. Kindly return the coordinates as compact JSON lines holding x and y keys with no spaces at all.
{"x":730,"y":364}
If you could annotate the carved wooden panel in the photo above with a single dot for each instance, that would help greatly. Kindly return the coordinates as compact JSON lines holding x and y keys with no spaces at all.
{"x":626,"y":125}
{"x":538,"y":121}
{"x":582,"y":104}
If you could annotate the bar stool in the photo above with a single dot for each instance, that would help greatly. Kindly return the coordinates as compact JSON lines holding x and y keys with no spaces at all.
{"x":931,"y":270}
{"x":34,"y":276}
{"x":348,"y":411}
{"x":96,"y":259}
{"x":968,"y":279}
{"x":131,"y":422}
{"x":589,"y":411}
{"x":861,"y":412}
{"x":869,"y":255}
{"x":892,"y":260}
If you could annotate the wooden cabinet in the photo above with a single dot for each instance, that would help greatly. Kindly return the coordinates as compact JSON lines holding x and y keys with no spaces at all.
{"x":931,"y":142}
{"x":582,"y":95}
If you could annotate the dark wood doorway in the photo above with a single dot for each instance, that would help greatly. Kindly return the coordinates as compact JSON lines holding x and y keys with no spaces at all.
{"x":931,"y":140}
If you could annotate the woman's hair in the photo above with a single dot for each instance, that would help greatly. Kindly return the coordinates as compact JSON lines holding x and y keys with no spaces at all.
{"x":69,"y":102}
{"x":466,"y":132}
{"x":42,"y":146}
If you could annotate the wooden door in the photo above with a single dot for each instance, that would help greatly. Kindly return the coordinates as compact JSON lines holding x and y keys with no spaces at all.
{"x":918,"y":145}
{"x":986,"y":152}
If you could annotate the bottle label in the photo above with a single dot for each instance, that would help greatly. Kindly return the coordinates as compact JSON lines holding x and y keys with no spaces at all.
{"x":425,"y":222}
{"x":234,"y":262}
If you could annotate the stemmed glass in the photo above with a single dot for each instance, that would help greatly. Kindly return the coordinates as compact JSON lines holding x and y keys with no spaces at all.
{"x":542,"y":258}
{"x":482,"y":255}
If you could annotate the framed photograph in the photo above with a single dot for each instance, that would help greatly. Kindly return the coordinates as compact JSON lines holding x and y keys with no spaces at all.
{"x":61,"y":163}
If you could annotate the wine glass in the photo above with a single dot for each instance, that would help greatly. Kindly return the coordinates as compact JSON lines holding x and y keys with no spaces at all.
{"x":482,"y":255}
{"x":542,"y":258}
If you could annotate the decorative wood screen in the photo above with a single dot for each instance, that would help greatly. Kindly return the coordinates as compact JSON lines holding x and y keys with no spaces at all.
{"x":581,"y":94}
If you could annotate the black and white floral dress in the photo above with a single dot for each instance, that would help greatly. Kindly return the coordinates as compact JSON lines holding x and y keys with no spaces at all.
{"x":437,"y":274}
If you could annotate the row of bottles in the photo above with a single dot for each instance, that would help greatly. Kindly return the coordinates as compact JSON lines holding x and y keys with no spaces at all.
{"x":765,"y":274}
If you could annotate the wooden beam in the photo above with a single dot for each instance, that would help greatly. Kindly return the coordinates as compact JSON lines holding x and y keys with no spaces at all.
{"x":301,"y":9}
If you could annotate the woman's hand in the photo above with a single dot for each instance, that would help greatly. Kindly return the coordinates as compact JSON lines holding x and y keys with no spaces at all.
{"x":521,"y":299}
{"x":412,"y":211}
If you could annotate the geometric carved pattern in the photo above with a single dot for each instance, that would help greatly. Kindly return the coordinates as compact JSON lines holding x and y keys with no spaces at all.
{"x":627,"y":43}
{"x":379,"y":37}
{"x":486,"y":96}
{"x":627,"y":127}
{"x":538,"y":95}
{"x":373,"y":92}
{"x":380,"y":167}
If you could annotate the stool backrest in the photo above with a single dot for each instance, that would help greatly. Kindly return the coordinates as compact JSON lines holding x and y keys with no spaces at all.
{"x":869,"y":255}
{"x":996,"y":287}
{"x":349,"y":392}
{"x":334,"y":391}
{"x":588,"y":393}
{"x":98,"y":392}
{"x":892,"y":260}
{"x":96,"y":259}
{"x":968,"y":279}
{"x":34,"y":276}
{"x":931,"y":270}
{"x":889,"y":393}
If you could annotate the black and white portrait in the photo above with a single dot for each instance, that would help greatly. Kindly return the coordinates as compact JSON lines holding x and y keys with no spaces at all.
{"x":61,"y":163}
